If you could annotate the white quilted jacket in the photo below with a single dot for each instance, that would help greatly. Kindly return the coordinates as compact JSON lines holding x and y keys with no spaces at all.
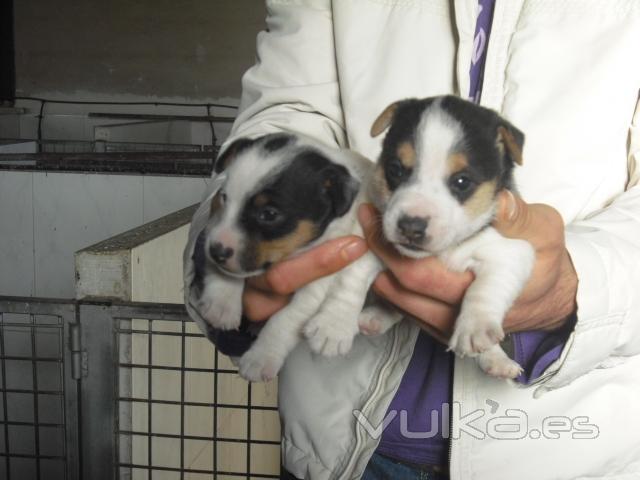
{"x":567,"y":72}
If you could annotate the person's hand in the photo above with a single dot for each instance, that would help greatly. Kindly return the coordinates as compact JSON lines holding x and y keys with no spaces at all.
{"x":426,"y":290}
{"x":266,"y":294}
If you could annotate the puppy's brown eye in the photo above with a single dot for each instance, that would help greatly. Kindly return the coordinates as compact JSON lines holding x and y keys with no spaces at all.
{"x":461,"y":183}
{"x":269,"y":215}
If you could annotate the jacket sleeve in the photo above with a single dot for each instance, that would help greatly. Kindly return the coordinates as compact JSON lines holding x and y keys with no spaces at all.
{"x":605,"y":250}
{"x":294,"y":84}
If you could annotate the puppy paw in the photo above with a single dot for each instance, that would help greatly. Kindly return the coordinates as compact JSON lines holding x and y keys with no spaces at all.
{"x":376,"y":320}
{"x":221,"y":302}
{"x":472,"y":336}
{"x":496,"y":363}
{"x":259,"y":365}
{"x":222,"y":315}
{"x":329,"y":337}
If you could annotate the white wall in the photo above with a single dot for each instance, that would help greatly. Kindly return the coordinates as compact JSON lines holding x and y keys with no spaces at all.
{"x":46,"y":217}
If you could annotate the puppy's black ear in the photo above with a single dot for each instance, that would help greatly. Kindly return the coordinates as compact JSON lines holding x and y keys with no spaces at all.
{"x":510,"y":141}
{"x":340,"y":186}
{"x":231,"y":152}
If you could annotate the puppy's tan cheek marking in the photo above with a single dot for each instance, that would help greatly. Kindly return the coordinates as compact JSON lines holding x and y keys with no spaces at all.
{"x":261,"y":200}
{"x":379,"y":192}
{"x":482,"y":199}
{"x":216,"y":204}
{"x":275,"y":250}
{"x":407,"y":154}
{"x":456,"y":162}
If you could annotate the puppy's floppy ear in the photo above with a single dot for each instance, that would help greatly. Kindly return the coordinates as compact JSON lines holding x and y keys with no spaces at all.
{"x":231,"y":152}
{"x":384,"y":119}
{"x":510,"y":140}
{"x":340,"y":187}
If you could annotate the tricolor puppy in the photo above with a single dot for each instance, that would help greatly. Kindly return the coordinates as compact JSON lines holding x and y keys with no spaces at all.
{"x":281,"y":195}
{"x":443,"y":162}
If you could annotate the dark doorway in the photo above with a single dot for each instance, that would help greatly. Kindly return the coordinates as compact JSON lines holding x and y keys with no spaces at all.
{"x":7,"y":51}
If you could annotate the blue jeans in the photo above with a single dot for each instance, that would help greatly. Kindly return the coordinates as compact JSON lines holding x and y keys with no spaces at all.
{"x":385,"y":468}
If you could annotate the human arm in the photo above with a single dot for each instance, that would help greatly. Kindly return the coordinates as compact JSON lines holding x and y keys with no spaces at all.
{"x":294,"y":84}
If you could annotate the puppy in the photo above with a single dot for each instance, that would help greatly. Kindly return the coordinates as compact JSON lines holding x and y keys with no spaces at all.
{"x":443,"y":162}
{"x":282,"y":195}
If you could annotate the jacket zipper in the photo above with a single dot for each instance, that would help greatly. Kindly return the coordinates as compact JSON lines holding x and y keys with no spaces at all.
{"x":367,"y":406}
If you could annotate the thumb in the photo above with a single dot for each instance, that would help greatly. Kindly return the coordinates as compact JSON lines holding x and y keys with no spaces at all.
{"x":514,"y":216}
{"x":538,"y":223}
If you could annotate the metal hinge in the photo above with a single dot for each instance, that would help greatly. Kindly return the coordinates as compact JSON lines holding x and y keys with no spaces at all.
{"x":79,"y":357}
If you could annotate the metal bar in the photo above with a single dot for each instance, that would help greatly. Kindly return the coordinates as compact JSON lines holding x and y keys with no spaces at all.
{"x":96,"y":395}
{"x":150,"y":397}
{"x":159,"y":332}
{"x":71,"y":394}
{"x":85,"y":102}
{"x":4,"y":400}
{"x":37,"y":306}
{"x":176,"y":369}
{"x":120,"y":157}
{"x":26,"y":455}
{"x":34,"y":370}
{"x":249,"y":430}
{"x":31,"y":424}
{"x":162,"y":118}
{"x":215,"y":416}
{"x":192,"y":470}
{"x":183,"y":347}
{"x":195,"y":437}
{"x":198,"y":404}
{"x":35,"y":359}
{"x":35,"y":391}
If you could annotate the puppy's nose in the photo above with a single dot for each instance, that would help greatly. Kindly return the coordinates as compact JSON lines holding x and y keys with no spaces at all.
{"x":413,"y":228}
{"x":219,"y":253}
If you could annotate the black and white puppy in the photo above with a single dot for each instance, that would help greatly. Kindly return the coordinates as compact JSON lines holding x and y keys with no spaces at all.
{"x":443,"y":162}
{"x":281,"y":195}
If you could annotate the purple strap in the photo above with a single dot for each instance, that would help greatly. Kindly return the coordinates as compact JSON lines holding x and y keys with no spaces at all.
{"x":480,"y":44}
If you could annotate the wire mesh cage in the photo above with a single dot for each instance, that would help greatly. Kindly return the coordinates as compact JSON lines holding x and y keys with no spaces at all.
{"x":127,"y":391}
{"x":184,"y":413}
{"x":38,"y":395}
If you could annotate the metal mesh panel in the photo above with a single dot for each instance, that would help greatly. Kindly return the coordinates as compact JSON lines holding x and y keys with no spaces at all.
{"x":156,"y":399}
{"x":183,"y":412}
{"x":36,"y":428}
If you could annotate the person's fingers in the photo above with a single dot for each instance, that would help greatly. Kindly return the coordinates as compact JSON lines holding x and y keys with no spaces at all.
{"x":437,"y":315}
{"x":259,"y":306}
{"x":427,"y":276}
{"x":540,"y":224}
{"x":289,"y":275}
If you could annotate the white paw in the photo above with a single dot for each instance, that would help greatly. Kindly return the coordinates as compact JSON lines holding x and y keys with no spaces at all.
{"x":496,"y":363}
{"x":259,"y":364}
{"x":221,"y":301}
{"x":376,"y":320}
{"x":472,"y":336}
{"x":225,"y":315}
{"x":329,"y":337}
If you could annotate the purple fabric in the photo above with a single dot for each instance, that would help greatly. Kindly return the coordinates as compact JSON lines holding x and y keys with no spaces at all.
{"x":480,"y":44}
{"x":426,"y":384}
